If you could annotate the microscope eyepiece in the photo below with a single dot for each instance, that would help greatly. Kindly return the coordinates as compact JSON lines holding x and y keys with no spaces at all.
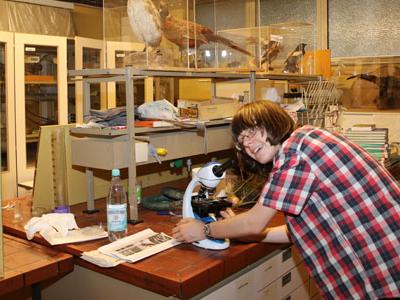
{"x":219,"y":170}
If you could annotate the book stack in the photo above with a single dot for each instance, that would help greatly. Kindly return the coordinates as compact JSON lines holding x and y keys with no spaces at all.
{"x":374,"y":140}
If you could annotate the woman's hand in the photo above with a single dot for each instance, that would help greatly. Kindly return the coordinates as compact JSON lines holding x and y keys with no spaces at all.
{"x":189,"y":230}
{"x":228,"y":213}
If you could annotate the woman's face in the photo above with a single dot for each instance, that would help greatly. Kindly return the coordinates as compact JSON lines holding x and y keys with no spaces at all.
{"x":254,"y":142}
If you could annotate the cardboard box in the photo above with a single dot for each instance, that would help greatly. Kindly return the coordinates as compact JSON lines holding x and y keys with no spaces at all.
{"x":218,"y":108}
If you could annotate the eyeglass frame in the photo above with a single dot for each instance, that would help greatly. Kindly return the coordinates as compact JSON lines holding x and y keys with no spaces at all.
{"x":239,"y":145}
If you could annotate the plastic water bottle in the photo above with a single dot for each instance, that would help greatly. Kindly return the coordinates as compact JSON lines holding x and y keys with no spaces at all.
{"x":116,"y":208}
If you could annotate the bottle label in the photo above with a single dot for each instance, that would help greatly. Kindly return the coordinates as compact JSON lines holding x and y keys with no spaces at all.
{"x":138,"y":193}
{"x":116,"y":217}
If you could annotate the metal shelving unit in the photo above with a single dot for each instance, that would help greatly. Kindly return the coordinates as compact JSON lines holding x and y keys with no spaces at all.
{"x":129,"y":75}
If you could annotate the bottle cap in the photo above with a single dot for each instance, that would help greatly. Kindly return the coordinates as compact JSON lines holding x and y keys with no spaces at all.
{"x":115,"y":172}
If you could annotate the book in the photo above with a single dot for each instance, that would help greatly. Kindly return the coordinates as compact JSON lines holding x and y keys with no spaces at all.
{"x":153,"y":123}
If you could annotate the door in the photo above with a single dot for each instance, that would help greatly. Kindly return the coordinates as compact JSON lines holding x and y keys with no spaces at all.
{"x":40,"y":94}
{"x":8,"y":160}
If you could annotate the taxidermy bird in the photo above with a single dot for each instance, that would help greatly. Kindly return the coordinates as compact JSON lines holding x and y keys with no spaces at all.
{"x":292,"y":62}
{"x":145,"y":21}
{"x":189,"y":34}
{"x":389,"y":89}
{"x":271,"y":51}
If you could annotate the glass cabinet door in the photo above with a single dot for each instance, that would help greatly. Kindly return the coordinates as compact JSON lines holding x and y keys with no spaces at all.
{"x":41,"y":107}
{"x":41,"y":93}
{"x":8,"y":160}
{"x":89,"y":54}
{"x":143,"y":88}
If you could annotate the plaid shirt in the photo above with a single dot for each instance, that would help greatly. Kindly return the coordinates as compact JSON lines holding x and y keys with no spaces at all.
{"x":342,"y":210}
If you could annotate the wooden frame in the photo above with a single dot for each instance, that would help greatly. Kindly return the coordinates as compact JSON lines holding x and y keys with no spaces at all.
{"x":26,"y":173}
{"x":80,"y":44}
{"x":8,"y":178}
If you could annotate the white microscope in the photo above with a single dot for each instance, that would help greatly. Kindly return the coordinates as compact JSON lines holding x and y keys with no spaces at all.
{"x":208,"y":176}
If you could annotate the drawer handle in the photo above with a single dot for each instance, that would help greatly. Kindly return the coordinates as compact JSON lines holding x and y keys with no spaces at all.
{"x":286,"y":278}
{"x":267,"y":269}
{"x":243,"y":285}
{"x":286,"y":254}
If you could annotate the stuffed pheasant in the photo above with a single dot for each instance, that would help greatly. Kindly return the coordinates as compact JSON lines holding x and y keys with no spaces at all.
{"x":189,"y":34}
{"x":145,"y":21}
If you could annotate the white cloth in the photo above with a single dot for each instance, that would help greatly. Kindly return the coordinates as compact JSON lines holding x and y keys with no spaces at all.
{"x":159,"y":109}
{"x":57,"y":222}
{"x":61,"y":228}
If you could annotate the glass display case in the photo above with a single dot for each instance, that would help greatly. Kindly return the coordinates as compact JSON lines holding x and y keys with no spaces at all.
{"x":117,"y":53}
{"x":368,"y":83}
{"x":120,"y":90}
{"x":182,"y":33}
{"x":287,"y":48}
{"x":295,"y":43}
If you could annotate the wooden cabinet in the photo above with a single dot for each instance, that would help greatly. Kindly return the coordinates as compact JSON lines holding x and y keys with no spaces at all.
{"x":34,"y":79}
{"x":8,"y":155}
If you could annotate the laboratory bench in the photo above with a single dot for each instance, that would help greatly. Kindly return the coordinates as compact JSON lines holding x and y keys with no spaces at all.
{"x":28,"y":264}
{"x":184,"y":271}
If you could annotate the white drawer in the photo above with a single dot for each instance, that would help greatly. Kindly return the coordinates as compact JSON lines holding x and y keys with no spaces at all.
{"x":239,"y":289}
{"x":285,"y":284}
{"x":275,"y":267}
{"x":300,"y":293}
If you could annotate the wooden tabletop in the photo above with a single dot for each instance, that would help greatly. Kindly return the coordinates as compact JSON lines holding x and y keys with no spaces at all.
{"x":27,"y":263}
{"x":182,"y":271}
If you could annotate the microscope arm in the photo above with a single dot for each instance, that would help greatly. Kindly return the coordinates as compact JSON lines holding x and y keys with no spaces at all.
{"x":187,"y":210}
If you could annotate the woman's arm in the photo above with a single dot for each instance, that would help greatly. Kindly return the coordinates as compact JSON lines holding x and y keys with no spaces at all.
{"x":278,"y":234}
{"x":251,"y":222}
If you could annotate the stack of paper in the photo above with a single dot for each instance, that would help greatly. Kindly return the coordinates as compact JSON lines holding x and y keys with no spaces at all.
{"x":374,"y":140}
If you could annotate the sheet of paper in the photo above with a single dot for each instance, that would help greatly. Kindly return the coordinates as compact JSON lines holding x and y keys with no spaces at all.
{"x":73,"y":236}
{"x":138,"y":246}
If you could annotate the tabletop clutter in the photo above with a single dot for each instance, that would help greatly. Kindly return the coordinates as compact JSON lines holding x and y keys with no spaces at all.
{"x":61,"y":228}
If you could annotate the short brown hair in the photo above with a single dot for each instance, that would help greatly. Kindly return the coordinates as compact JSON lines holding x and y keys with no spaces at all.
{"x":267,"y":115}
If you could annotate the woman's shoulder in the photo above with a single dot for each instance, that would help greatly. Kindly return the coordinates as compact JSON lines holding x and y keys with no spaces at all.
{"x":307,"y":135}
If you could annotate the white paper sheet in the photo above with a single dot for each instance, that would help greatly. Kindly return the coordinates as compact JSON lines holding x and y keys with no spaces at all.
{"x":138,"y":246}
{"x":73,"y":236}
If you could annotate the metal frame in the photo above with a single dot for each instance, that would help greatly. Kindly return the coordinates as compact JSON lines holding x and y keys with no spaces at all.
{"x":128,"y":75}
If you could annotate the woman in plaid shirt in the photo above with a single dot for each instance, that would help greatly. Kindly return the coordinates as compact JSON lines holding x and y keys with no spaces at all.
{"x":342,"y":208}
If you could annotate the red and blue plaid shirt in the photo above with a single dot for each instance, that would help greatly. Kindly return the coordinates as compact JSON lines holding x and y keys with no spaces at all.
{"x":343,"y":212}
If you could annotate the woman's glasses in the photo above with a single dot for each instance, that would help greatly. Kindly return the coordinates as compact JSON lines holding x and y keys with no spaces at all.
{"x":245,"y":134}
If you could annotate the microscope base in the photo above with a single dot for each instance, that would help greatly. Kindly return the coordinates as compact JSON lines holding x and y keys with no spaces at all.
{"x":212,"y":244}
